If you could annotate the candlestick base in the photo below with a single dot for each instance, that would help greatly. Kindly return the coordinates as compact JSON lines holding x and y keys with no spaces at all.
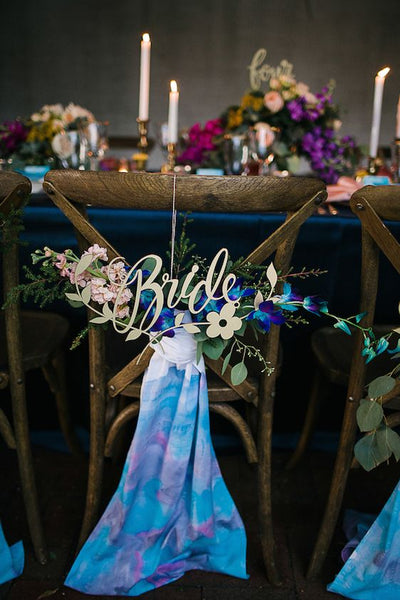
{"x":171,"y":159}
{"x":140,"y":157}
{"x":373,"y":165}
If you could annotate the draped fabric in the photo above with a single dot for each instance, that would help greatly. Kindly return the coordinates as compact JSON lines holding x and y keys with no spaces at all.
{"x":373,"y":570}
{"x":172,"y":511}
{"x":11,"y":559}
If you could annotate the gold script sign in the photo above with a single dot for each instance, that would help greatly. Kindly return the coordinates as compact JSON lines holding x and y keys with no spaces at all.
{"x":263,"y":72}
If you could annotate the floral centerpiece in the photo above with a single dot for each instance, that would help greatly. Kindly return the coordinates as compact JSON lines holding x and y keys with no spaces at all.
{"x":28,"y":141}
{"x":297,"y":121}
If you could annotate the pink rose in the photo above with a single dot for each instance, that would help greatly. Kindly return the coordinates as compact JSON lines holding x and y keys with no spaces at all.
{"x":273,"y":101}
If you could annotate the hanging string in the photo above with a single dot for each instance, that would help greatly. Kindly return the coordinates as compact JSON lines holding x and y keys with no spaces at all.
{"x":173,"y":225}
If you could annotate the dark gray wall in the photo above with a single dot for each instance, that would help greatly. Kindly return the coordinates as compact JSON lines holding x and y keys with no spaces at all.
{"x":87,"y":52}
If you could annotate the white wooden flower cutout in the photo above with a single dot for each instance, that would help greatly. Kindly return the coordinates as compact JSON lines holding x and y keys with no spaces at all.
{"x":224,"y":323}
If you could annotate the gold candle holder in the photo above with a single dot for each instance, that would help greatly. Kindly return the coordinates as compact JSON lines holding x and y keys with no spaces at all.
{"x":140,"y":157}
{"x":373,"y":165}
{"x":171,"y":159}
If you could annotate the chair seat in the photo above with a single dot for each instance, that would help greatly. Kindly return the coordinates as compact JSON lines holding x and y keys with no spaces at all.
{"x":42,"y":335}
{"x":333,"y":351}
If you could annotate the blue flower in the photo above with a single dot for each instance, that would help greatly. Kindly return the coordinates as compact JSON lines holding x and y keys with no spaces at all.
{"x":289,"y":295}
{"x":315,"y":305}
{"x":265,"y":314}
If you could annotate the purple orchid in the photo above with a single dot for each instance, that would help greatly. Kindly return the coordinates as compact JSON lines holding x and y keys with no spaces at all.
{"x":265,"y":314}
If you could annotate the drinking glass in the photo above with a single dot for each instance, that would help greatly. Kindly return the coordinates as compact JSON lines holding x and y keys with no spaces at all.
{"x":97,"y":143}
{"x":261,"y":139}
{"x":236,"y":153}
{"x":70,"y":147}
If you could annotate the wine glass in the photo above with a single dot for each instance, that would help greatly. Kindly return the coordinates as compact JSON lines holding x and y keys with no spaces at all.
{"x":261,"y":139}
{"x":70,"y":147}
{"x":97,"y":142}
{"x":236,"y":153}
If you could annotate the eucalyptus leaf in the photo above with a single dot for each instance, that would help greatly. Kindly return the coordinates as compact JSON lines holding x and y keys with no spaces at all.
{"x":238,"y":373}
{"x":364,"y":451}
{"x":213,"y":348}
{"x":382,"y":444}
{"x":226,"y":362}
{"x":369,"y":415}
{"x":85,"y":294}
{"x":393,"y":440}
{"x":381,"y":386}
{"x":201,"y":336}
{"x":75,"y":303}
{"x":83,"y":264}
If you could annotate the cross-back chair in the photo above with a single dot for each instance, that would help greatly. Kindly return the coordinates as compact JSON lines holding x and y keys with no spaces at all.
{"x":372,"y":205}
{"x":30,"y":340}
{"x":71,"y":191}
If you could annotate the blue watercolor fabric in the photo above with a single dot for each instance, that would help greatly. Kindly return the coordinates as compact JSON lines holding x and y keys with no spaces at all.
{"x":12,"y":559}
{"x":373,"y":570}
{"x":172,"y":511}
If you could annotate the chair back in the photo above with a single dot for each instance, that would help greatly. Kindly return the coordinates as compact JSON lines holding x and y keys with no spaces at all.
{"x":73,"y":191}
{"x":14,"y":191}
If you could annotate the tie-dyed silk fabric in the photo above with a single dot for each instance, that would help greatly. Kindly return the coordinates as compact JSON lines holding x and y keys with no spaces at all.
{"x":172,"y":511}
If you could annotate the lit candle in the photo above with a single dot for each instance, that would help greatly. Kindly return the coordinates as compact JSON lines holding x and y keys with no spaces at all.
{"x":376,"y":112}
{"x":398,"y":120}
{"x":145,"y":47}
{"x":173,"y":113}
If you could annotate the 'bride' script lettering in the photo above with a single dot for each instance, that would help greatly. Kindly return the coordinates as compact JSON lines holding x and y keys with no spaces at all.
{"x":154,"y":291}
{"x":260,"y":72}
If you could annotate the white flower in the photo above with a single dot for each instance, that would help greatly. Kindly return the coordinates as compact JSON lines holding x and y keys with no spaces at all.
{"x":74,"y":111}
{"x":225,"y":323}
{"x":99,"y":291}
{"x":97,"y":252}
{"x":302,"y":88}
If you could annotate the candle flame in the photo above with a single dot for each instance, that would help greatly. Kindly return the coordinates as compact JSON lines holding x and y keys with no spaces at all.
{"x":146,"y":37}
{"x":174,"y":86}
{"x":383,"y":72}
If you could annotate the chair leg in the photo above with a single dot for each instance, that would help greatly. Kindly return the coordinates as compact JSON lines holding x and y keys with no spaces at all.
{"x":98,"y":395}
{"x":6,"y":431}
{"x":54,"y":373}
{"x":264,"y":448}
{"x":26,"y":470}
{"x":309,"y":422}
{"x":336,"y":493}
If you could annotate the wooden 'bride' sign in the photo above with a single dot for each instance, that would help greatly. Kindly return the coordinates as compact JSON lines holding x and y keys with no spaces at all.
{"x":260,"y":72}
{"x":146,"y":280}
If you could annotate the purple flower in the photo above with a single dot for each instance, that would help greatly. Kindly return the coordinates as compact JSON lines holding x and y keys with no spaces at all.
{"x":315,"y":305}
{"x":265,"y":314}
{"x":12,"y":135}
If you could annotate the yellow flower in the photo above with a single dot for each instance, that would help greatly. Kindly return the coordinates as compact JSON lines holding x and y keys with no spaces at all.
{"x":253,"y":102}
{"x":235,"y":118}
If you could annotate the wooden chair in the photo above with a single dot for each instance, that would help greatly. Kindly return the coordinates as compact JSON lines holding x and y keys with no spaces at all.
{"x":339,"y":356}
{"x":34,"y":339}
{"x":71,"y":191}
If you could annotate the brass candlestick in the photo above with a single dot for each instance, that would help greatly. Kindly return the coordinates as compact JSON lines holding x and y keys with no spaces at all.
{"x":140,"y":157}
{"x":171,"y":159}
{"x":373,"y":165}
